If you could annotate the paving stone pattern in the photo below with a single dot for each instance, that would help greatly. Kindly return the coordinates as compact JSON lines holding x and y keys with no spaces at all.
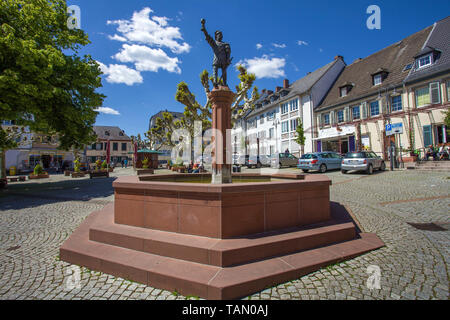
{"x":36,"y":218}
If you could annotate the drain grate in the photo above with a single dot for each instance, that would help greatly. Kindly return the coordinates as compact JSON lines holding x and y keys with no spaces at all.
{"x":13,"y":248}
{"x":430,"y":226}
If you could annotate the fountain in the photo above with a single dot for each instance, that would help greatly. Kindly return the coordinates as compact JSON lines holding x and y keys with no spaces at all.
{"x":202,"y":235}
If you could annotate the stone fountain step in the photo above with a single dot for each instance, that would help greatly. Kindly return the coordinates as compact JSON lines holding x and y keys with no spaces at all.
{"x":217,"y":252}
{"x":206,"y":281}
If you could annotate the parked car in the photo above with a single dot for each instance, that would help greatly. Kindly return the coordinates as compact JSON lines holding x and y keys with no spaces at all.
{"x":321,"y":161}
{"x":284,"y":160}
{"x":362,"y":161}
{"x":258,"y":161}
{"x":240,"y":160}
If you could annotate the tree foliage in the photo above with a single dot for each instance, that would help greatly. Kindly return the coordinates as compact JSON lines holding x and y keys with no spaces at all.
{"x":44,"y":84}
{"x":194,"y":111}
{"x":300,"y":134}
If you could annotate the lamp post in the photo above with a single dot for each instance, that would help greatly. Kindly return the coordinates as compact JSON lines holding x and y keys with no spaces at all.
{"x":276,"y":122}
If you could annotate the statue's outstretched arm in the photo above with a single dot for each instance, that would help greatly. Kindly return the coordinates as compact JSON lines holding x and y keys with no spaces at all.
{"x":208,"y":37}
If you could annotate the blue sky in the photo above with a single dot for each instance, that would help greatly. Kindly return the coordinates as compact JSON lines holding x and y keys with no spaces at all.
{"x":147,"y":47}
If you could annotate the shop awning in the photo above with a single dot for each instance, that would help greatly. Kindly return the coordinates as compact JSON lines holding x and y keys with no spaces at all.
{"x":333,"y":132}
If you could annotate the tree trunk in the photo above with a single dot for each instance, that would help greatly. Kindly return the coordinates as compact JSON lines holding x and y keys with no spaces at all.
{"x":2,"y":164}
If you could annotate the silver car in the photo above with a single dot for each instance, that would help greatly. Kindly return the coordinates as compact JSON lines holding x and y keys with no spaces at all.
{"x":320,"y":161}
{"x":284,"y":160}
{"x":362,"y":161}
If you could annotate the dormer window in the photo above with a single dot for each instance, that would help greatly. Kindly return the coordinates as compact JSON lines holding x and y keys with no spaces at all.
{"x":377,"y":79}
{"x":379,"y":76}
{"x":121,"y":133}
{"x":345,"y":89}
{"x":427,"y":57}
{"x":107,"y":133}
{"x":424,"y":61}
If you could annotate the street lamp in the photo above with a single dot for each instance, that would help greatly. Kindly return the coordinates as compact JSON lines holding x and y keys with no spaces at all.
{"x":276,"y":122}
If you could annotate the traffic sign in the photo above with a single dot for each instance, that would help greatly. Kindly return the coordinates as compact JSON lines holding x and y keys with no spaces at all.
{"x":394,"y":128}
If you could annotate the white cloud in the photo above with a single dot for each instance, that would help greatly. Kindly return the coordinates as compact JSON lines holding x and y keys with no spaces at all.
{"x":147,"y":59}
{"x":259,"y":46}
{"x":152,"y":31}
{"x":108,"y":110}
{"x":265,"y":67}
{"x":117,"y":73}
{"x":302,"y":43}
{"x":276,"y":45}
{"x":118,"y":38}
{"x":320,"y":50}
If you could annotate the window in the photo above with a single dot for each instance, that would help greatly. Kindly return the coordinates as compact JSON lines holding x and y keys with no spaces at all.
{"x":115,"y":146}
{"x":377,"y":79}
{"x":99,"y":146}
{"x":427,"y":136}
{"x":285,"y":127}
{"x":107,"y":133}
{"x":294,"y":124}
{"x":343,"y":91}
{"x":424,"y":61}
{"x":294,"y":105}
{"x":270,"y":115}
{"x":271,"y":133}
{"x":356,"y":113}
{"x":261,"y":119}
{"x":124,"y":147}
{"x":428,"y":95}
{"x":326,"y":119}
{"x":284,"y":108}
{"x":396,"y":103}
{"x":448,"y":90}
{"x":94,"y":146}
{"x":340,"y":116}
{"x":374,"y":108}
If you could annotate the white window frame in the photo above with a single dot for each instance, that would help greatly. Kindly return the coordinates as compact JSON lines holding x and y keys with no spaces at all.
{"x":293,"y":105}
{"x":323,"y":119}
{"x":359,"y":112}
{"x":377,"y":79}
{"x":420,"y":66}
{"x":283,"y":106}
{"x":343,"y":91}
{"x":392,"y":103}
{"x":370,"y":109}
{"x":343,"y":116}
{"x":285,"y":126}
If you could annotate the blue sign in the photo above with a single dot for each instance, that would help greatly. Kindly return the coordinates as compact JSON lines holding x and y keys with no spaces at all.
{"x":394,"y":128}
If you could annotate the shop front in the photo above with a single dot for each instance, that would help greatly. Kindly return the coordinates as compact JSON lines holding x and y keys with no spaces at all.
{"x":340,"y":140}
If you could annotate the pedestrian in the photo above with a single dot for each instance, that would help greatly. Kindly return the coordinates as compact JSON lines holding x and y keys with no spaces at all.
{"x":126,"y":163}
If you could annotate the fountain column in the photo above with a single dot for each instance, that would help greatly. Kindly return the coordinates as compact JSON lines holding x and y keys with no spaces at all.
{"x":221,"y":99}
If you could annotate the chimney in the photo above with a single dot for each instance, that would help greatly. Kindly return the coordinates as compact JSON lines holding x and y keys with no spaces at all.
{"x":278,"y":89}
{"x":263,"y":91}
{"x":269,"y":92}
{"x":285,"y":83}
{"x":339,"y":57}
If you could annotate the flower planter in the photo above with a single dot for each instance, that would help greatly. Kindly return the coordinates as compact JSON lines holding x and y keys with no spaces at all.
{"x":96,"y":174}
{"x":78,"y":174}
{"x":67,"y":173}
{"x":145,"y":171}
{"x":38,"y":176}
{"x":409,"y":159}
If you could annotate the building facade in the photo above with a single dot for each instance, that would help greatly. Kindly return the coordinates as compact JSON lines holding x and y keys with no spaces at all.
{"x":121,"y":146}
{"x":35,"y":148}
{"x":404,"y":86}
{"x":271,"y":127}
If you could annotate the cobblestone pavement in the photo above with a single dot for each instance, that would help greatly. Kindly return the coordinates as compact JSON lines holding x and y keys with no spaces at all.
{"x":36,"y":217}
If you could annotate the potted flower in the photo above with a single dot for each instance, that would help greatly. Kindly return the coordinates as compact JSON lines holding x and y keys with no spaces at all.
{"x":77,"y":168}
{"x":38,"y":173}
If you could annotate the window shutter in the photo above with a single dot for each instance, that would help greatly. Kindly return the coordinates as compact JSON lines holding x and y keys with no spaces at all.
{"x":364,"y":110}
{"x":333,"y":118}
{"x":435,"y":93}
{"x":319,"y":120}
{"x":384,"y":106}
{"x":427,"y":136}
{"x":347,"y":114}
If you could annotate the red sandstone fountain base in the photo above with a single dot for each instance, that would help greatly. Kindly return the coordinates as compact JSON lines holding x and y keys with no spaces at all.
{"x":216,"y":241}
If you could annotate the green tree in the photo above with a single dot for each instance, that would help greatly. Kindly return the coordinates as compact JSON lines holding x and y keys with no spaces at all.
{"x":447,"y":120}
{"x":300,"y":136}
{"x":44,"y":84}
{"x":194,"y":111}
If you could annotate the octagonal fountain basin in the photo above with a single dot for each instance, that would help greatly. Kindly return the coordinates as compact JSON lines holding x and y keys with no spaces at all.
{"x":189,"y":204}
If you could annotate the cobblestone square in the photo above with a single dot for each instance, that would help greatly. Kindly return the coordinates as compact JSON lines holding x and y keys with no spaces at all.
{"x":36,"y":218}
